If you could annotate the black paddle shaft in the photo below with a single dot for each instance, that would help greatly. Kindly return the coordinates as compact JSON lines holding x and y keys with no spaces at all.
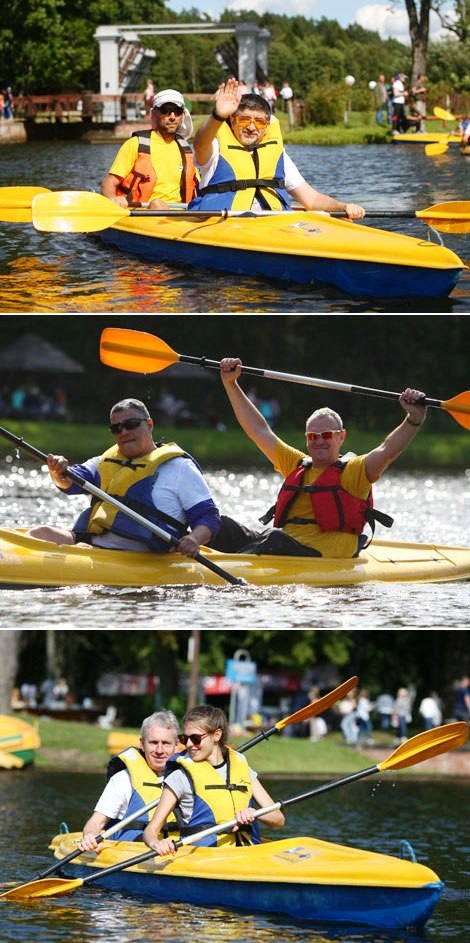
{"x":42,"y":457}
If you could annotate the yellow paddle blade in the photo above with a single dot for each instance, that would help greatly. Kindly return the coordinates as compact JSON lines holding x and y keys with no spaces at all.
{"x":47,"y":887}
{"x":453,"y":216}
{"x":75,"y":211}
{"x":15,"y":203}
{"x":320,"y":705}
{"x":433,"y":150}
{"x":443,"y":114}
{"x":459,"y":408}
{"x":135,"y":351}
{"x":427,"y":744}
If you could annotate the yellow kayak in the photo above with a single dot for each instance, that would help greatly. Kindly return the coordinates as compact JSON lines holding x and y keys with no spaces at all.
{"x":18,"y":742}
{"x":28,"y":562}
{"x":302,"y":877}
{"x":429,"y":137}
{"x":303,"y":247}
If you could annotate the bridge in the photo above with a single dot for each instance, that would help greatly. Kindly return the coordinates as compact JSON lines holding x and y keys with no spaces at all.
{"x":125,"y":62}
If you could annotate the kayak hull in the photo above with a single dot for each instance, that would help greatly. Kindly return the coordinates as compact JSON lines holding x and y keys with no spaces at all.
{"x":302,"y":878}
{"x":305,"y":248}
{"x":28,"y":562}
{"x":18,"y":742}
{"x":430,"y":137}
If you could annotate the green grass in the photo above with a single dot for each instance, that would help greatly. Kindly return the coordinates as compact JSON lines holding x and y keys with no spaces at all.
{"x":232,"y":448}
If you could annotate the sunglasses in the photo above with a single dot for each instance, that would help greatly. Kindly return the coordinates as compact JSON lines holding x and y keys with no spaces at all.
{"x":259,"y":123}
{"x":195,"y":738}
{"x":117,"y":427}
{"x":313,"y":436}
{"x":171,"y":109}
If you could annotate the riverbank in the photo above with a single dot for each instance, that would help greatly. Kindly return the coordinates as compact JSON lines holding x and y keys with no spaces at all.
{"x":231,"y":448}
{"x":67,"y":745}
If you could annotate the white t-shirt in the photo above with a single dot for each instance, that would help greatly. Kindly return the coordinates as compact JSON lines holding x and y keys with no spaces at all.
{"x":179,"y":784}
{"x":116,"y":795}
{"x":293,"y":177}
{"x":398,"y":92}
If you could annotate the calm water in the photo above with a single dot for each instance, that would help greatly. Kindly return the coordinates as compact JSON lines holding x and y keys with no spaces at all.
{"x":42,"y":272}
{"x":375,"y":815}
{"x":427,"y":507}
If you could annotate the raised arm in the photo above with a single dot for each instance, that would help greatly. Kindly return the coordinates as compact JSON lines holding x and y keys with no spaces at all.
{"x":227,"y":101}
{"x":249,"y":417}
{"x":399,"y":439}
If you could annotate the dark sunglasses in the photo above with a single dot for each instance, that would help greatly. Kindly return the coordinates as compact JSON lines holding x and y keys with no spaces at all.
{"x":169,"y":109}
{"x":117,"y":427}
{"x":194,"y":737}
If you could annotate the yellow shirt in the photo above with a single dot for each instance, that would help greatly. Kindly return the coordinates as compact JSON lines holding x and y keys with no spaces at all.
{"x":329,"y":543}
{"x":166,"y":159}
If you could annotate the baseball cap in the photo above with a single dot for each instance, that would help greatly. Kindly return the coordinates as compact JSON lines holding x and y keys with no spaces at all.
{"x":169,"y":96}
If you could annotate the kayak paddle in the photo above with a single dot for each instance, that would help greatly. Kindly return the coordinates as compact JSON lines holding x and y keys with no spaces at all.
{"x":16,"y":202}
{"x":98,"y":493}
{"x":80,"y":211}
{"x":139,"y":352}
{"x":422,"y":747}
{"x":311,"y":710}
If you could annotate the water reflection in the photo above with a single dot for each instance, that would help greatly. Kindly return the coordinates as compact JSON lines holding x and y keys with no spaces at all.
{"x":46,"y":273}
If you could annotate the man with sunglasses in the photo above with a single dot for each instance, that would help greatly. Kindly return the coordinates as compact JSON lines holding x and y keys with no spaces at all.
{"x":156,"y":167}
{"x":243,"y":164}
{"x":159,"y":481}
{"x":325,"y":500}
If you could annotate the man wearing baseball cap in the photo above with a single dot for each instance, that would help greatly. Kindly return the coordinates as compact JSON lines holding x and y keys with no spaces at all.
{"x":156,"y":167}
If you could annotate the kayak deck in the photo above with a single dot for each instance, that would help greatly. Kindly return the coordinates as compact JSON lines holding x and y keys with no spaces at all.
{"x":303,"y":877}
{"x":303,"y":247}
{"x":26,"y":561}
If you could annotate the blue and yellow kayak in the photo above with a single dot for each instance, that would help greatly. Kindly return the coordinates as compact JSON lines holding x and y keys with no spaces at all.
{"x":303,"y":878}
{"x":18,"y":742}
{"x":429,"y":137}
{"x":28,"y":562}
{"x":306,"y":248}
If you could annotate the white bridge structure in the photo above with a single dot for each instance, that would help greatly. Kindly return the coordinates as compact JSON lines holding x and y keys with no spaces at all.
{"x":124,"y":61}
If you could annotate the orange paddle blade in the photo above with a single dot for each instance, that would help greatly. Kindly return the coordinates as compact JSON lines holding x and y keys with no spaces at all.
{"x":320,"y":705}
{"x":427,"y":744}
{"x":459,"y":408}
{"x":120,"y":348}
{"x":47,"y":887}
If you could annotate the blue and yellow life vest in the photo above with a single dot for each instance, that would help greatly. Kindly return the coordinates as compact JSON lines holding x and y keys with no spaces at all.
{"x":131,"y":481}
{"x":216,"y":800}
{"x":146,"y":787}
{"x":243,"y":174}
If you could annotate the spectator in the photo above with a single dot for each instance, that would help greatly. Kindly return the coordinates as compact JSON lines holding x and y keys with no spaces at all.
{"x":286,"y":94}
{"x":462,"y":699}
{"x":399,"y":97}
{"x":270,"y":94}
{"x":402,"y":713}
{"x":384,"y":706}
{"x":148,"y":96}
{"x":381,"y":100}
{"x":17,"y":399}
{"x":430,"y":711}
{"x":419,"y":93}
{"x":348,"y":724}
{"x":363,"y":710}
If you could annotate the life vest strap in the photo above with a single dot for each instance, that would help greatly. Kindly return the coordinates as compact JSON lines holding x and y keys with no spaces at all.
{"x":231,"y":787}
{"x":234,"y":185}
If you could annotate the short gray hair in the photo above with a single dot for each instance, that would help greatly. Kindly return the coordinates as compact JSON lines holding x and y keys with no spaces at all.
{"x":328,"y":413}
{"x":136,"y":404}
{"x":163,"y":719}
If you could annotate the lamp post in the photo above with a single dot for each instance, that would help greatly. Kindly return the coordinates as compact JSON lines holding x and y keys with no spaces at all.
{"x":349,"y":80}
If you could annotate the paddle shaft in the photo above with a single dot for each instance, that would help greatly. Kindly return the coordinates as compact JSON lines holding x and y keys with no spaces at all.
{"x":227,"y":214}
{"x":98,"y":493}
{"x":100,"y":838}
{"x":307,"y":381}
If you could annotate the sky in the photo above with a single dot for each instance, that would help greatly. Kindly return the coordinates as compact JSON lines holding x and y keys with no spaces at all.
{"x":380,"y":17}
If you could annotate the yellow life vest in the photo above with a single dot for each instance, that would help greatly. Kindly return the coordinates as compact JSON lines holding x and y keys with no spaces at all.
{"x":244,"y":173}
{"x":131,"y":479}
{"x":146,"y":787}
{"x":216,"y":801}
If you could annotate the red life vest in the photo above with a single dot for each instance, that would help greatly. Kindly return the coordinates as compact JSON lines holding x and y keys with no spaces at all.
{"x":333,"y":507}
{"x":139,"y":184}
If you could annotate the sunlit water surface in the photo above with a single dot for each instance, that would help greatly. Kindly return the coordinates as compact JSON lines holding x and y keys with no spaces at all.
{"x":376,"y":815}
{"x":42,"y":272}
{"x":428,"y":508}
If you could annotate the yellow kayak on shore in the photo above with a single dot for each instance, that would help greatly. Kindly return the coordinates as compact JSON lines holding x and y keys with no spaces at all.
{"x":18,"y":742}
{"x":28,"y":562}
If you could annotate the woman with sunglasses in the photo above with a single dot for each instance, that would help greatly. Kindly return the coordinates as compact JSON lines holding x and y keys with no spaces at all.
{"x":156,"y":166}
{"x":243,"y":164}
{"x":207,"y":785}
{"x":160,"y":481}
{"x":325,"y":501}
